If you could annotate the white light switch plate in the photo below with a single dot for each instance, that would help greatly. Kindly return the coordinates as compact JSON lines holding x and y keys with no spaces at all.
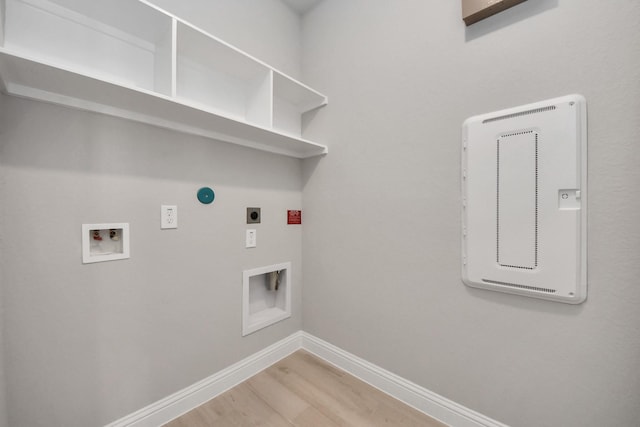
{"x":251,"y":240}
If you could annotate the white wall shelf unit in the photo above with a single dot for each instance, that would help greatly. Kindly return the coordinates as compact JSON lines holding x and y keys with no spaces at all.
{"x":129,"y":59}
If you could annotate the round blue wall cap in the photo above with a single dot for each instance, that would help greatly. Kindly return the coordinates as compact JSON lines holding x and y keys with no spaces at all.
{"x":206,"y":195}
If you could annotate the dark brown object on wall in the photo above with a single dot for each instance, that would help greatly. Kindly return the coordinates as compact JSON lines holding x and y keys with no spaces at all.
{"x":476,"y":10}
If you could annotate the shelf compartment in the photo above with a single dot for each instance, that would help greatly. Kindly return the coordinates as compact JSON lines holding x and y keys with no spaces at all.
{"x":219,"y":78}
{"x":122,"y":41}
{"x":291,"y":99}
{"x":262,"y":305}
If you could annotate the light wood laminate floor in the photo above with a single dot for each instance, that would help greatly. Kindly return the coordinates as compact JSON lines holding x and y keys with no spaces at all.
{"x":303,"y":390}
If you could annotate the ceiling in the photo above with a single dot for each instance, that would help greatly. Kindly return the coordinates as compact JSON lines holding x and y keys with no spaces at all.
{"x":301,"y":6}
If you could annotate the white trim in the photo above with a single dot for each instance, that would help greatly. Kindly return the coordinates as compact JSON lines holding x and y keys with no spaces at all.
{"x":171,"y":407}
{"x":432,"y":404}
{"x":417,"y":397}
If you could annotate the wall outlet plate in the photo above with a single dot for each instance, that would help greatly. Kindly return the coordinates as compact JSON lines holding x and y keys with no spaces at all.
{"x":168,"y":216}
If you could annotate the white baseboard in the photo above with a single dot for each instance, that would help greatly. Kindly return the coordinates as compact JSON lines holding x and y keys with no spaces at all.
{"x":432,"y":404}
{"x":181,"y":402}
{"x":420,"y":398}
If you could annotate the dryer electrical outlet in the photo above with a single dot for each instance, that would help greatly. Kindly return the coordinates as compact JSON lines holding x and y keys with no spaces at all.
{"x":524,"y":206}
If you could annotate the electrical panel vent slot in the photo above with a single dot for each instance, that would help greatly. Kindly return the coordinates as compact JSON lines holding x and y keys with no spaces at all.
{"x":521,"y":113}
{"x":517,"y":200}
{"x":515,"y":285}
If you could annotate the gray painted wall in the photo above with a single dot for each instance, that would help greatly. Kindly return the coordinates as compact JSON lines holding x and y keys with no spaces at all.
{"x":382,"y":210}
{"x":87,"y":344}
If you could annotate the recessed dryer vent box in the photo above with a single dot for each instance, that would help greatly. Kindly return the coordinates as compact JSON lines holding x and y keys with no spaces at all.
{"x":524,"y":200}
{"x":266,"y":296}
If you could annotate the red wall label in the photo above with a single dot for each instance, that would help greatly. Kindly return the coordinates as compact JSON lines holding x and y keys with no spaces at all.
{"x":294,"y":217}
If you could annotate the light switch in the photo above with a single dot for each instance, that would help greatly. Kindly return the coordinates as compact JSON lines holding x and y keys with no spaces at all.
{"x":251,"y":238}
